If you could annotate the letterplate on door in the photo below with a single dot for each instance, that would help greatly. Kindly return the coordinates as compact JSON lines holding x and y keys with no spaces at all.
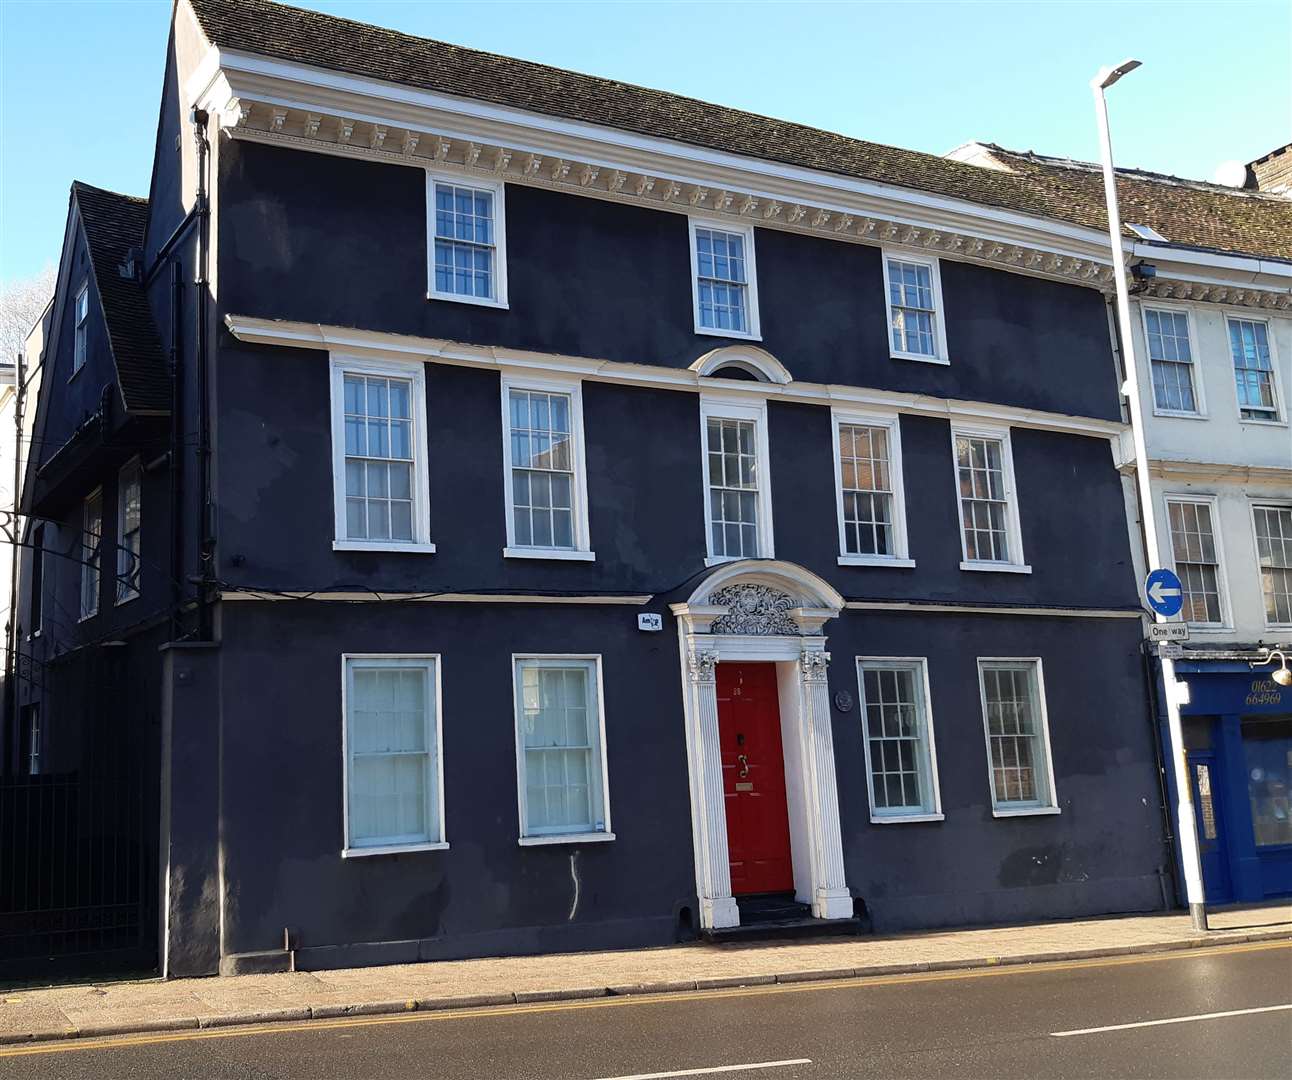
{"x":745,"y":787}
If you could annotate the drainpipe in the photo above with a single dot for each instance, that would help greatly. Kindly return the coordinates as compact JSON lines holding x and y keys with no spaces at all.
{"x":199,"y":118}
{"x":176,"y":451}
{"x":11,"y":630}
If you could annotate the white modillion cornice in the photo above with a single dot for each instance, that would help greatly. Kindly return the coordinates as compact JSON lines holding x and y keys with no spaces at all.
{"x":323,"y":112}
{"x":354,"y":342}
{"x":281,"y":103}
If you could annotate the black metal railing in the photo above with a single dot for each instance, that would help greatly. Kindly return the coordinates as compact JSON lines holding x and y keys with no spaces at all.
{"x":76,"y":875}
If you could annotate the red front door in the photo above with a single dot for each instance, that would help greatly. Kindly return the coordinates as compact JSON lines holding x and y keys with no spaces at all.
{"x":753,"y":779}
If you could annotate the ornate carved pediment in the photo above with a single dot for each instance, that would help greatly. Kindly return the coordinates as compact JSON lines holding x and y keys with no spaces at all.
{"x":753,"y":609}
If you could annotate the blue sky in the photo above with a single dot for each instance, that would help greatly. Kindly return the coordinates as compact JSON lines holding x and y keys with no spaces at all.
{"x":79,"y":79}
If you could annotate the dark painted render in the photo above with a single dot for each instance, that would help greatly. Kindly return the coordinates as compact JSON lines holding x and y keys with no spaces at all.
{"x":251,"y":719}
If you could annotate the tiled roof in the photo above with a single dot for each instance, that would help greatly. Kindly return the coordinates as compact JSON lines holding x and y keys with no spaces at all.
{"x":1187,"y":212}
{"x":113,"y":225}
{"x":1232,"y":222}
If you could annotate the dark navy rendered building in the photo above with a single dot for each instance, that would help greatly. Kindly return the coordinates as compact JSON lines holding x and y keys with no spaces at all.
{"x":582,"y":517}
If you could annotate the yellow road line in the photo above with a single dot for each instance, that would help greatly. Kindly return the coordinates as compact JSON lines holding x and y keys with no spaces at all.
{"x":864,"y":981}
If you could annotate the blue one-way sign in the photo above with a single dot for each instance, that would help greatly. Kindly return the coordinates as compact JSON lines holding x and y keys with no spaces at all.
{"x":1163,"y":592}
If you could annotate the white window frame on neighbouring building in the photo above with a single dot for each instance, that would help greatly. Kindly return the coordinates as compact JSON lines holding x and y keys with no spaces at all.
{"x":1272,"y":531}
{"x":80,"y":317}
{"x":597,"y":825}
{"x":428,"y":760}
{"x":1013,"y":532}
{"x":413,"y":373}
{"x":898,"y":301}
{"x":517,"y":439}
{"x":748,"y":289}
{"x":1261,"y":369}
{"x":492,"y":242}
{"x":1045,"y":800}
{"x":1182,"y":541}
{"x":129,"y":530}
{"x":739,"y":412}
{"x":861,"y":468}
{"x":1173,"y":355}
{"x":895,"y":707}
{"x":91,"y":549}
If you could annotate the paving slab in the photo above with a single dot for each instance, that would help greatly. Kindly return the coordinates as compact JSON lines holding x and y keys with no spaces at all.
{"x":61,"y":1012}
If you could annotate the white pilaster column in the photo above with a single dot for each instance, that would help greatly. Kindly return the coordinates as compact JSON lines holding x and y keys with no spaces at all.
{"x":830,"y":896}
{"x":713,"y":870}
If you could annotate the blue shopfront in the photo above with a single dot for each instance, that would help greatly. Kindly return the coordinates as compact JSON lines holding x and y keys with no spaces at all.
{"x":1238,"y":741}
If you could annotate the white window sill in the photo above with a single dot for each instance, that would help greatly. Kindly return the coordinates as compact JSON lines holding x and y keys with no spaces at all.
{"x":393,"y":849}
{"x":383,"y":545}
{"x":566,"y":554}
{"x":718,"y":560}
{"x":997,"y":567}
{"x":1209,"y":628}
{"x":121,"y":601}
{"x":1024,"y":811}
{"x":921,"y":358}
{"x":479,"y":301}
{"x":875,"y":560}
{"x":565,"y":838}
{"x":902,"y":819}
{"x":1173,"y":415}
{"x":733,"y":334}
{"x":1272,"y":422}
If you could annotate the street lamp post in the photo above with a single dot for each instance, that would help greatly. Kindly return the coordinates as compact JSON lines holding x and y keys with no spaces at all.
{"x":1186,"y":826}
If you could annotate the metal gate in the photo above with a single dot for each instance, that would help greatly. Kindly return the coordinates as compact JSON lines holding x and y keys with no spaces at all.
{"x":78,"y":848}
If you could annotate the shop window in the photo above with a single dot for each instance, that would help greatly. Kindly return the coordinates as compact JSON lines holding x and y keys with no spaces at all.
{"x":1267,"y":745}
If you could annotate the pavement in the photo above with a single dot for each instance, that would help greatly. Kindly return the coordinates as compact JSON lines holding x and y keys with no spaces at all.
{"x":1208,"y":1013}
{"x":105,"y":1009}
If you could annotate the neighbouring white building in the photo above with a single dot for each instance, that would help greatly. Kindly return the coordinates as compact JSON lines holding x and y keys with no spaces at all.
{"x":1212,"y":305}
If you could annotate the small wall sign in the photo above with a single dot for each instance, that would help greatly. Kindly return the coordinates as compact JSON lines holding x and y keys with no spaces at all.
{"x":649,"y":620}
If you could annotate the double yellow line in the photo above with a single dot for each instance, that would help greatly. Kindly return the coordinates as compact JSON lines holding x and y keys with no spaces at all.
{"x":449,"y":1015}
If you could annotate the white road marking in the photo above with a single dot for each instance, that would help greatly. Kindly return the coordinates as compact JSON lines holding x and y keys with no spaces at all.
{"x":712,"y":1069}
{"x":1171,"y":1020}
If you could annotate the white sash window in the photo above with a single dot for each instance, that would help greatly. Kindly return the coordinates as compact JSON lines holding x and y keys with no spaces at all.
{"x":560,"y":749}
{"x":393,"y":770}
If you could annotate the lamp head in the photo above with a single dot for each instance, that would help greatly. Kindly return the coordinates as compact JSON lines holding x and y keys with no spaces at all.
{"x":1283,"y":676}
{"x":1109,"y":75}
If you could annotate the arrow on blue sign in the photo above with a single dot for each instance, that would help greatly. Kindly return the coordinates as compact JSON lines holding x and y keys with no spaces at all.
{"x":1164,"y":593}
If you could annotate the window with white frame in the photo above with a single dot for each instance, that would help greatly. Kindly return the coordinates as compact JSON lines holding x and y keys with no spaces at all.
{"x":81,"y":315}
{"x":1273,"y":525}
{"x":1249,"y":346}
{"x":467,"y":234}
{"x":868,"y":486}
{"x":129,"y":531}
{"x":900,"y":756}
{"x":737,"y":491}
{"x":1017,"y":732}
{"x":1171,"y":357}
{"x":379,"y":455}
{"x":1197,"y":559}
{"x":546,"y":475}
{"x":723,"y":280}
{"x":913,"y":293}
{"x":91,"y":545}
{"x":560,"y":748}
{"x":393,"y":769}
{"x":989,"y":525}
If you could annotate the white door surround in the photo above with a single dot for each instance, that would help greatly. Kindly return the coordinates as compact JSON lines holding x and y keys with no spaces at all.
{"x":768,"y":610}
